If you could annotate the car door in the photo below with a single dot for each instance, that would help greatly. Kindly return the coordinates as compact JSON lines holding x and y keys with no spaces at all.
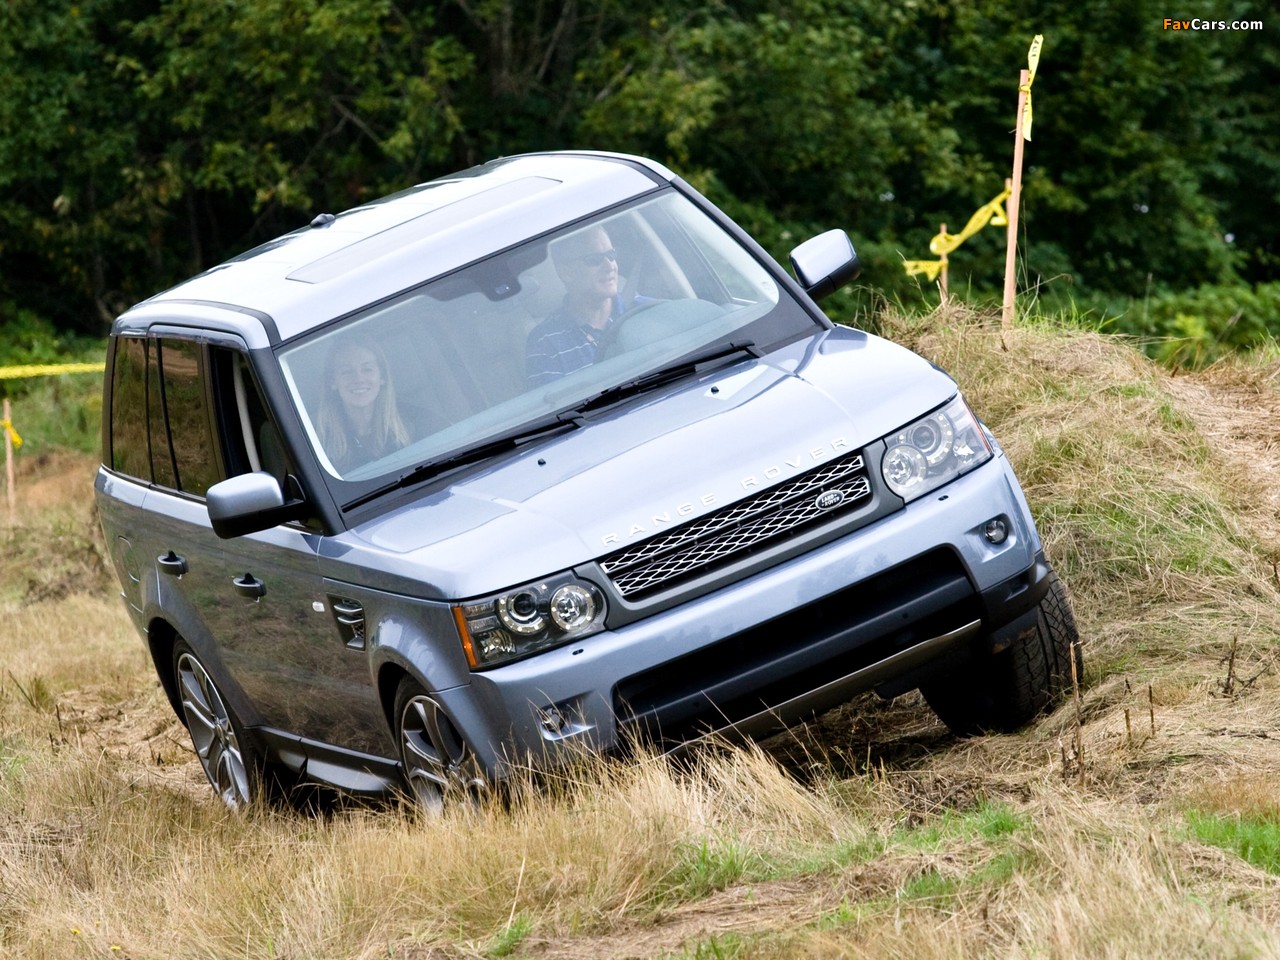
{"x":278,"y":631}
{"x":187,"y":580}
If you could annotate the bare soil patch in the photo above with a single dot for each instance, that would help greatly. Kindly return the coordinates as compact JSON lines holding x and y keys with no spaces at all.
{"x":142,"y":731}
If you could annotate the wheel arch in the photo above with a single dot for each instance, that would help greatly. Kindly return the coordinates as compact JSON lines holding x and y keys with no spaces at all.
{"x":161,"y":639}
{"x":390,"y":674}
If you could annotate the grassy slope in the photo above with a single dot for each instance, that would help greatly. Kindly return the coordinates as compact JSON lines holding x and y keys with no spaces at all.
{"x":1153,"y":830}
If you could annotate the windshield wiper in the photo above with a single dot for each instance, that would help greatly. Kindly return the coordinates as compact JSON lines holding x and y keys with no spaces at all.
{"x":474,"y":453}
{"x":564,"y":419}
{"x":693,"y":363}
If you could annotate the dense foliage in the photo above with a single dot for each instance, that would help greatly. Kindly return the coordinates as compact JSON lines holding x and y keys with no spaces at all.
{"x":143,"y":141}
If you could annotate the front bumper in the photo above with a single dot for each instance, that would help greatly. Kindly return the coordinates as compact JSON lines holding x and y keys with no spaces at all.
{"x":879,"y":608}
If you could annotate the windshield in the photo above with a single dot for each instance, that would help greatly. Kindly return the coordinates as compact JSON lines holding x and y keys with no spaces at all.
{"x":513,"y":340}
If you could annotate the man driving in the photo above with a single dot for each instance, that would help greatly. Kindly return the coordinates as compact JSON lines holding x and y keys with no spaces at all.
{"x":569,"y":337}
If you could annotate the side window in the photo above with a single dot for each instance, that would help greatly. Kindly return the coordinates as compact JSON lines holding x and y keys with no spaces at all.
{"x":187,"y":416}
{"x":184,"y":416}
{"x":163,"y":471}
{"x":250,"y":438}
{"x":129,"y":450}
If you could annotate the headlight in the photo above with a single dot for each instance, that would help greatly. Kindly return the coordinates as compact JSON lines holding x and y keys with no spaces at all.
{"x":528,"y":619}
{"x":934,"y":450}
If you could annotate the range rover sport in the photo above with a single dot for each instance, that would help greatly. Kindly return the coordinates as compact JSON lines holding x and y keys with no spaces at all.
{"x":545,"y":455}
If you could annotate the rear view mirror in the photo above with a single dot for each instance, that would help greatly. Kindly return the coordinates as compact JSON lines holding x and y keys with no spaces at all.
{"x":825,"y":263}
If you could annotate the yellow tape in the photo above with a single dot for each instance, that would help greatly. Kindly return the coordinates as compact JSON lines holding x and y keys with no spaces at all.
{"x":990,"y":214}
{"x":1033,"y":60}
{"x":48,"y":370}
{"x":7,"y":426}
{"x":930,"y":268}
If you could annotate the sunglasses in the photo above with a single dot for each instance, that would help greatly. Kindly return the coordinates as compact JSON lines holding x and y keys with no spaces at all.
{"x":594,"y":260}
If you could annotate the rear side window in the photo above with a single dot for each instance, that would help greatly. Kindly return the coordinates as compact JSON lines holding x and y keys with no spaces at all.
{"x":130,"y":453}
{"x":163,"y":471}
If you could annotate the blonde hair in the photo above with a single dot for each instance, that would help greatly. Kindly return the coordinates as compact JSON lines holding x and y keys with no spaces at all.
{"x":388,"y":429}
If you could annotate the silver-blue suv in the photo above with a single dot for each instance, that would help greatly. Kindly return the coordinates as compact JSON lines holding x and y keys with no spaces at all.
{"x":543,"y":456}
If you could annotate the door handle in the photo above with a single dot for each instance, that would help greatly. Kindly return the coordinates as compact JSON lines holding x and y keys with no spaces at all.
{"x":172,"y":564}
{"x":249,"y":587}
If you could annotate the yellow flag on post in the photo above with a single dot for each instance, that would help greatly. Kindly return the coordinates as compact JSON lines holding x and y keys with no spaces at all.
{"x":1033,"y":60}
{"x":7,"y":426}
{"x":929,"y":268}
{"x":990,"y":214}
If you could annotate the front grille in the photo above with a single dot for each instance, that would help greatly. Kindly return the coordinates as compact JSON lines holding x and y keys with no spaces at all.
{"x":821,"y":494}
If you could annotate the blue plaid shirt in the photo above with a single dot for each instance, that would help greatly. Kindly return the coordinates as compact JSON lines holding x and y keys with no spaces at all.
{"x":561,"y":344}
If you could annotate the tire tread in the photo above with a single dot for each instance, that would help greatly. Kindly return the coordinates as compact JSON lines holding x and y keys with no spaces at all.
{"x":1007,"y":690}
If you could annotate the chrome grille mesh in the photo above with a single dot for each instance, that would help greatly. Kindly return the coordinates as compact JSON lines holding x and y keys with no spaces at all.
{"x":723,"y":535}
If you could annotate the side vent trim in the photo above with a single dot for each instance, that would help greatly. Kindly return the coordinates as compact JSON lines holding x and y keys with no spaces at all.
{"x":349,"y":615}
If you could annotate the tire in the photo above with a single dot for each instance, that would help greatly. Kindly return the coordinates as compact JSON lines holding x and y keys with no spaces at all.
{"x":229,"y":758}
{"x":1005,"y":691}
{"x":438,"y":766}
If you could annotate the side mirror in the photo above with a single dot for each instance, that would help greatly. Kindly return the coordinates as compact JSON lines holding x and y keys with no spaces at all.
{"x":825,"y":263}
{"x":249,"y":503}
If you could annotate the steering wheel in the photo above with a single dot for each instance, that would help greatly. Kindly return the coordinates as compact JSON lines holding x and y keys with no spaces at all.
{"x":607,"y":343}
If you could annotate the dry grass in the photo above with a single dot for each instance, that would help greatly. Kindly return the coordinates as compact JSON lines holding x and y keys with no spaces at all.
{"x":869,"y":833}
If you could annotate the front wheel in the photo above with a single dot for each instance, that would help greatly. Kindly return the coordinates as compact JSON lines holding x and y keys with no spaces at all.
{"x":438,"y":765}
{"x":226,"y":754}
{"x":1005,"y":691}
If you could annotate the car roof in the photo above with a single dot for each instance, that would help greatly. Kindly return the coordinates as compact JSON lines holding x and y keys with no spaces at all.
{"x":342,"y":263}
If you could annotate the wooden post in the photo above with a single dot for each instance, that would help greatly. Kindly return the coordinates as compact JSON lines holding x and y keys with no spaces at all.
{"x":942,"y":229}
{"x":1015,"y":200}
{"x":8,"y":466}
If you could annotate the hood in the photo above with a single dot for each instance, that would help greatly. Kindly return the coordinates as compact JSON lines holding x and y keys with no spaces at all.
{"x":670,"y":456}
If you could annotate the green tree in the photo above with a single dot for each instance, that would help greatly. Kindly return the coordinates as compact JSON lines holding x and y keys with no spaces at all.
{"x":145,"y":144}
{"x":1246,"y":177}
{"x":143,"y":141}
{"x":73,"y":226}
{"x":789,"y":115}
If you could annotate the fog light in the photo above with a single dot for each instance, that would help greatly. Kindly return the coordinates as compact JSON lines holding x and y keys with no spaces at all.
{"x":996,"y":531}
{"x":552,"y":719}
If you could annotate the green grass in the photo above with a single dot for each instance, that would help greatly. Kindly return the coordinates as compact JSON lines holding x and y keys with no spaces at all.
{"x":511,"y":936}
{"x":59,"y":412}
{"x":62,"y":411}
{"x":727,"y":946}
{"x":988,"y":821}
{"x":714,"y":864}
{"x":1255,"y":840}
{"x":932,"y":887}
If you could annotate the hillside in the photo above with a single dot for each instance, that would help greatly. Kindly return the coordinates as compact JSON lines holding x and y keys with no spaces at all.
{"x":1142,"y":820}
